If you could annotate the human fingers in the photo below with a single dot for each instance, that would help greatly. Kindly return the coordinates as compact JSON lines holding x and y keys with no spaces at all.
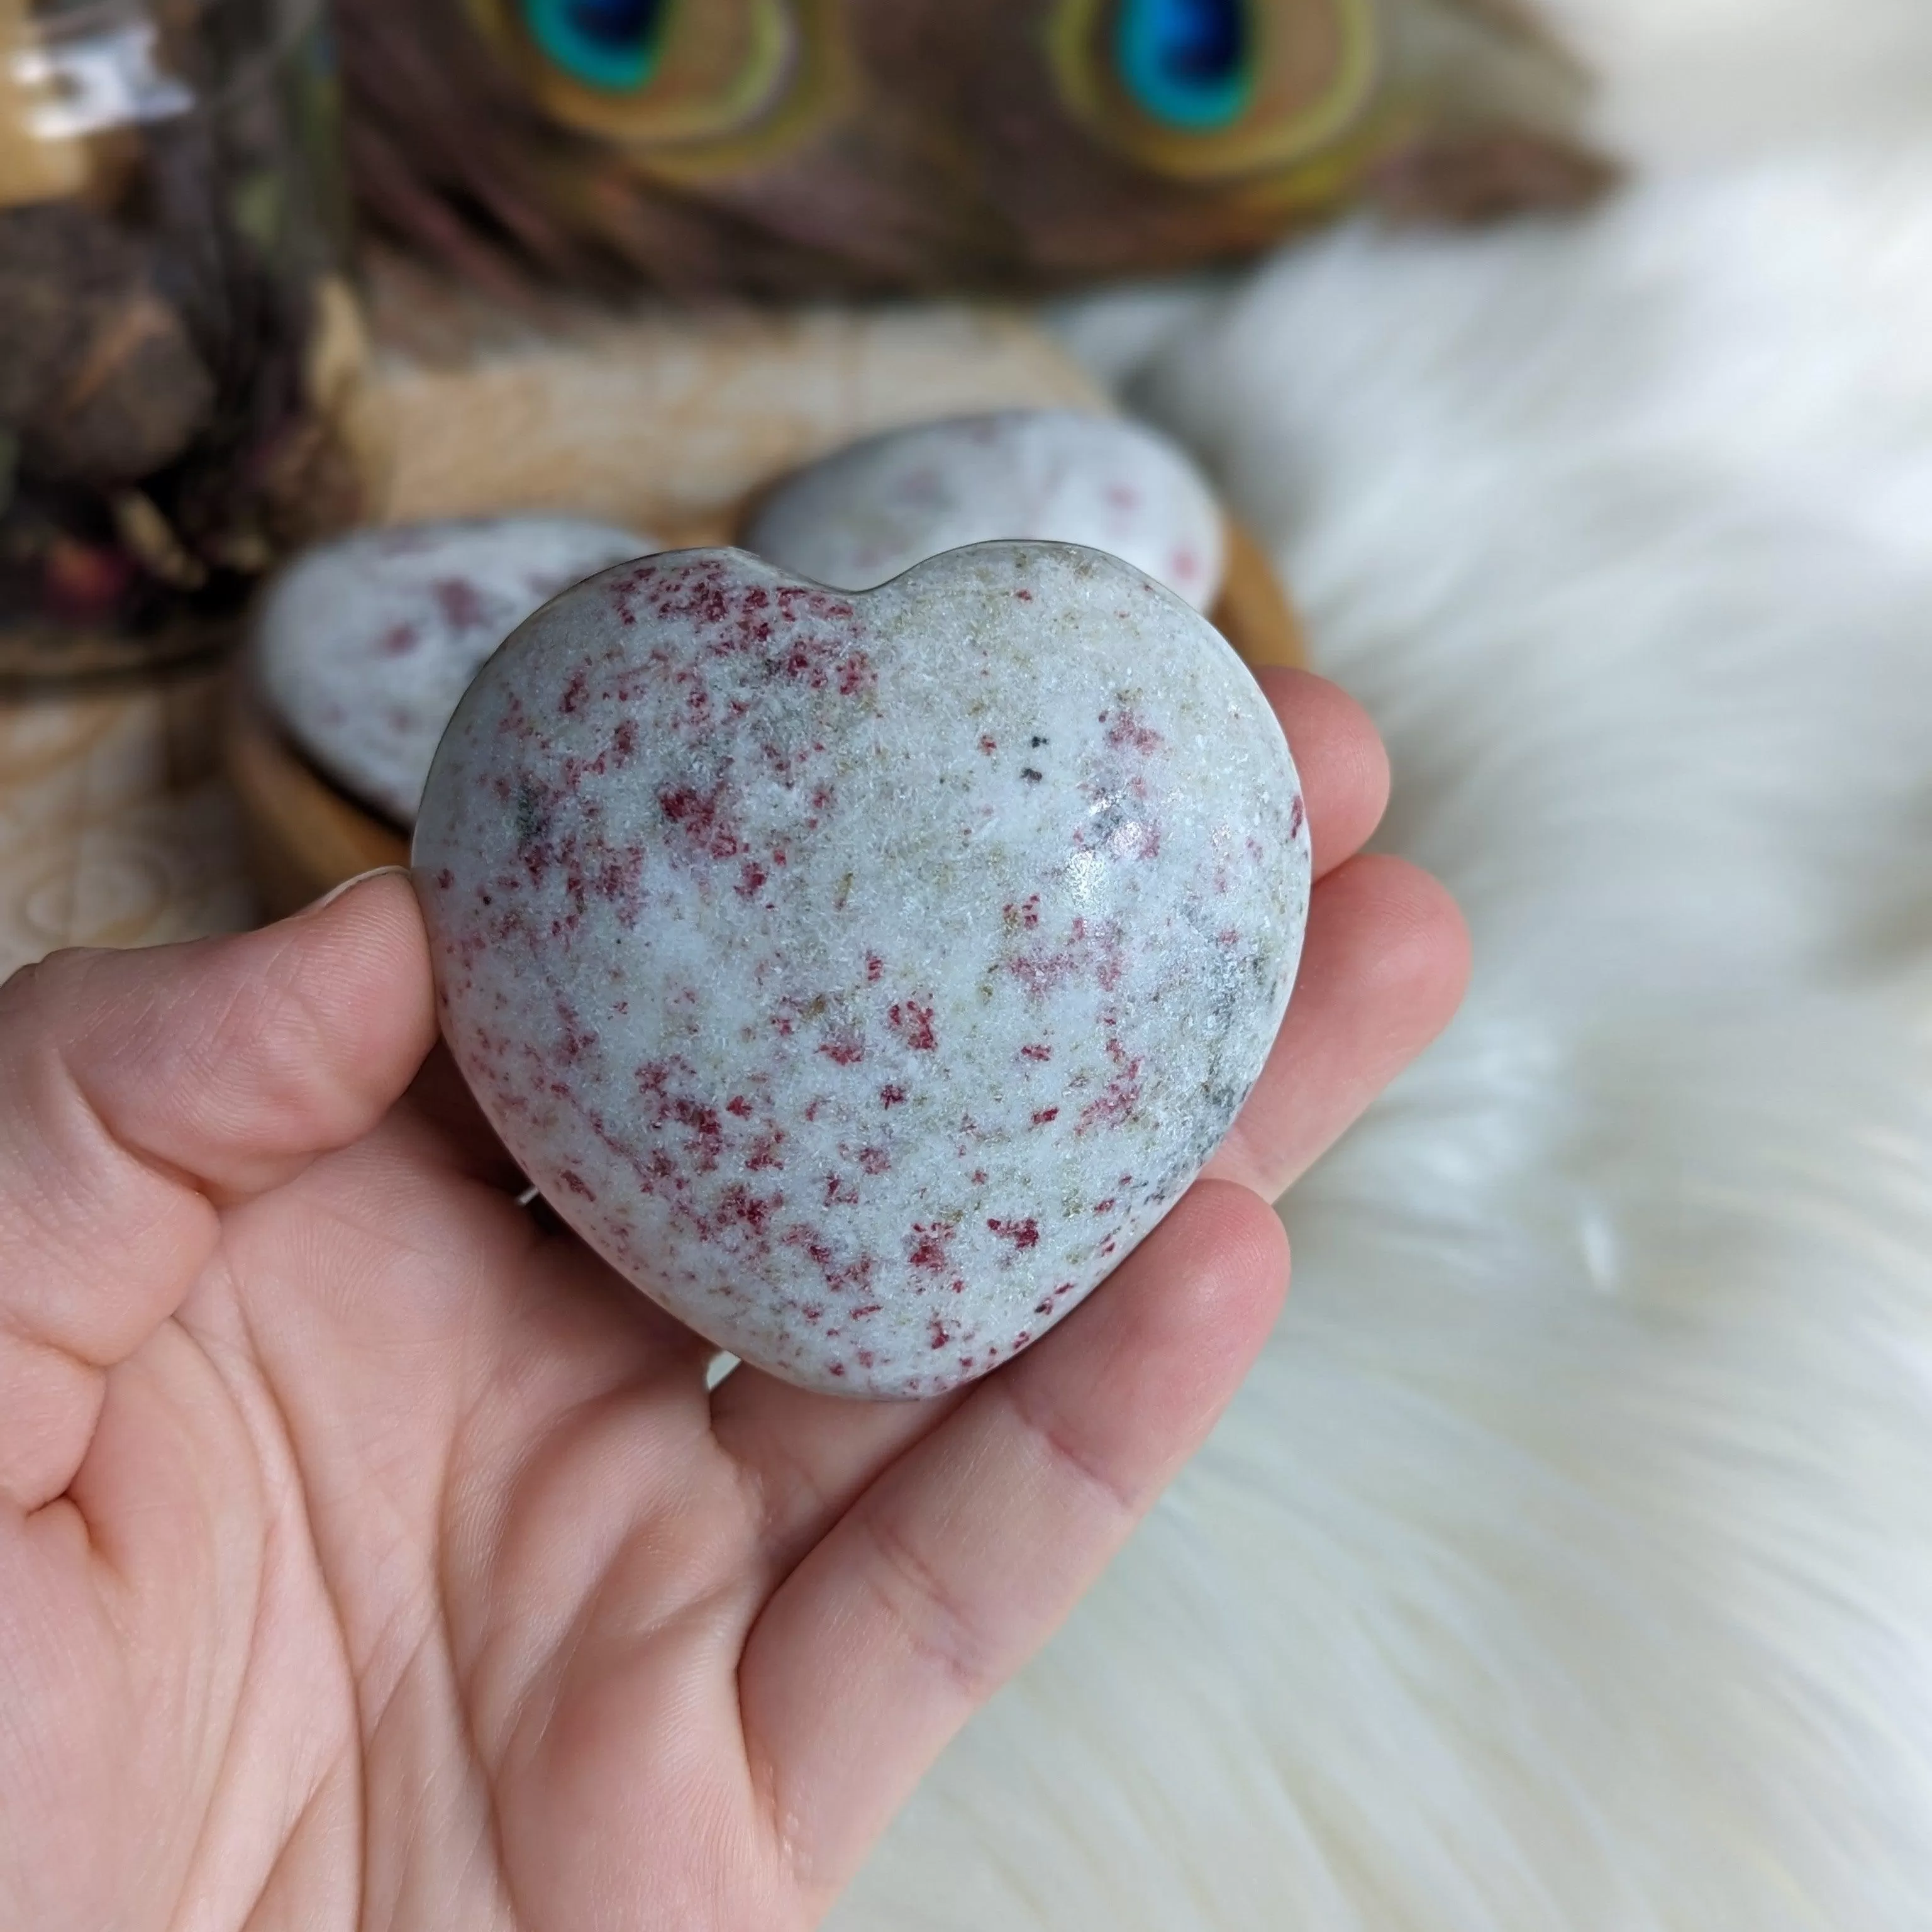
{"x":138,"y":1090}
{"x":961,"y":1559}
{"x":1382,"y":973}
{"x":1339,"y":759}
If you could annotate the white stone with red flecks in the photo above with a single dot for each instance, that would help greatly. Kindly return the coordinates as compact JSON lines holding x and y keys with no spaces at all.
{"x":363,"y":645}
{"x":865,"y":975}
{"x":858,"y":518}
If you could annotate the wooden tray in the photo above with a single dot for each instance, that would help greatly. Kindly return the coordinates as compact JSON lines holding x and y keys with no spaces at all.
{"x":303,"y":834}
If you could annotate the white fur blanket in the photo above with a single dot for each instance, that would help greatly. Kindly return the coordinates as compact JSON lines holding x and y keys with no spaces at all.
{"x":1566,"y":1564}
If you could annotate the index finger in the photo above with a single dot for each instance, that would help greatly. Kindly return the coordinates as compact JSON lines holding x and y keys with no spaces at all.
{"x":1338,"y":755}
{"x":136,"y":1090}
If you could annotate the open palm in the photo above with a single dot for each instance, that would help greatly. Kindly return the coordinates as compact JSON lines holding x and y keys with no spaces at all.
{"x":370,"y":1556}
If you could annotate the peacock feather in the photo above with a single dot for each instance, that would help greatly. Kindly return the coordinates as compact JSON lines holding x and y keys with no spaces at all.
{"x":783,"y":147}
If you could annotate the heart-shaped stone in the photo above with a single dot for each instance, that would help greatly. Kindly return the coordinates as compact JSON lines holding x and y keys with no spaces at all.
{"x":363,"y":645}
{"x":872,"y":510}
{"x":864,"y":975}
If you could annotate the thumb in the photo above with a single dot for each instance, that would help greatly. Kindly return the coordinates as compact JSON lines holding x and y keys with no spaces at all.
{"x":138,"y":1089}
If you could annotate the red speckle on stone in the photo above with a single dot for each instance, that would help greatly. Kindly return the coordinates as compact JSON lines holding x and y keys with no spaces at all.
{"x":699,"y":817}
{"x":667,"y":1106}
{"x":939,"y":1333}
{"x":1099,"y":954}
{"x":1039,"y":1050}
{"x":575,"y":691}
{"x":1126,"y":733}
{"x":840,"y":1191}
{"x":874,"y":966}
{"x":979,"y":1177}
{"x":445,"y":879}
{"x":739,"y":1105}
{"x":892,"y":1097}
{"x":577,"y":1184}
{"x":1024,"y":596}
{"x":1297,"y":812}
{"x":398,"y":641}
{"x":930,"y":1243}
{"x":763,"y":1152}
{"x":1106,"y":1207}
{"x":457,"y":599}
{"x":913,"y":1024}
{"x":1023,"y":917}
{"x":1022,"y":1234}
{"x":738,"y":1206}
{"x":843,"y":1047}
{"x":1044,"y":1114}
{"x":751,"y":875}
{"x":989,"y":746}
{"x":835,"y":1368}
{"x":1117,"y":1103}
{"x":1042,"y":1307}
{"x":874,"y":1160}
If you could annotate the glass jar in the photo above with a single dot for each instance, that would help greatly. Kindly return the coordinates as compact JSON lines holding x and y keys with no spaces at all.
{"x":172,"y":321}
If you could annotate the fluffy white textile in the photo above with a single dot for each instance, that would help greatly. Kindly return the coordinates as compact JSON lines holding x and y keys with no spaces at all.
{"x":1567,"y":1565}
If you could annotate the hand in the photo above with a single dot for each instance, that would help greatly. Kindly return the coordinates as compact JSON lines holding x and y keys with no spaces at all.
{"x":371,"y":1556}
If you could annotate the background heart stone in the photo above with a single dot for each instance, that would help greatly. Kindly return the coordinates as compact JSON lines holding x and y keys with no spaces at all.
{"x":864,"y":975}
{"x":865,"y":514}
{"x":363,"y":645}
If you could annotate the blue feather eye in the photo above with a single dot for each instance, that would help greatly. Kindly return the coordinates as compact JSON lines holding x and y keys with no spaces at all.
{"x":1188,"y":63}
{"x":612,"y":44}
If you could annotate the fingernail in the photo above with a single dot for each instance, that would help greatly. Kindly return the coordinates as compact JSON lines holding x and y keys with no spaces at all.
{"x":335,"y":893}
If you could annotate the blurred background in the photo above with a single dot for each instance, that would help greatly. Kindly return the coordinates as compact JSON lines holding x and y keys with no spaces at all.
{"x":1568,"y":1561}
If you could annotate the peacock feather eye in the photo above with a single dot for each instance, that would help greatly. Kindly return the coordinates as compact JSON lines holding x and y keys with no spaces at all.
{"x":611,"y":44}
{"x":687,"y":89}
{"x":1189,"y":63}
{"x":1218,"y":91}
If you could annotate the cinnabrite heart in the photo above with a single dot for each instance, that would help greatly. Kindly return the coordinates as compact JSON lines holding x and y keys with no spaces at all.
{"x":876,"y":508}
{"x":863,"y":975}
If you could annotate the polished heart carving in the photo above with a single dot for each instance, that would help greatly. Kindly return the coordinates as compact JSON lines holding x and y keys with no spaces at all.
{"x":864,"y":974}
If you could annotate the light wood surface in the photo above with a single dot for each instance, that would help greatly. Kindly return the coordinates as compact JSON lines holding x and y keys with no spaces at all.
{"x":302,"y":834}
{"x":116,"y":827}
{"x":1253,"y":612}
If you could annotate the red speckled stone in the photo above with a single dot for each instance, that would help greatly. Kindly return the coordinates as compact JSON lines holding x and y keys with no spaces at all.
{"x":864,"y":974}
{"x":363,"y":645}
{"x":878,"y":507}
